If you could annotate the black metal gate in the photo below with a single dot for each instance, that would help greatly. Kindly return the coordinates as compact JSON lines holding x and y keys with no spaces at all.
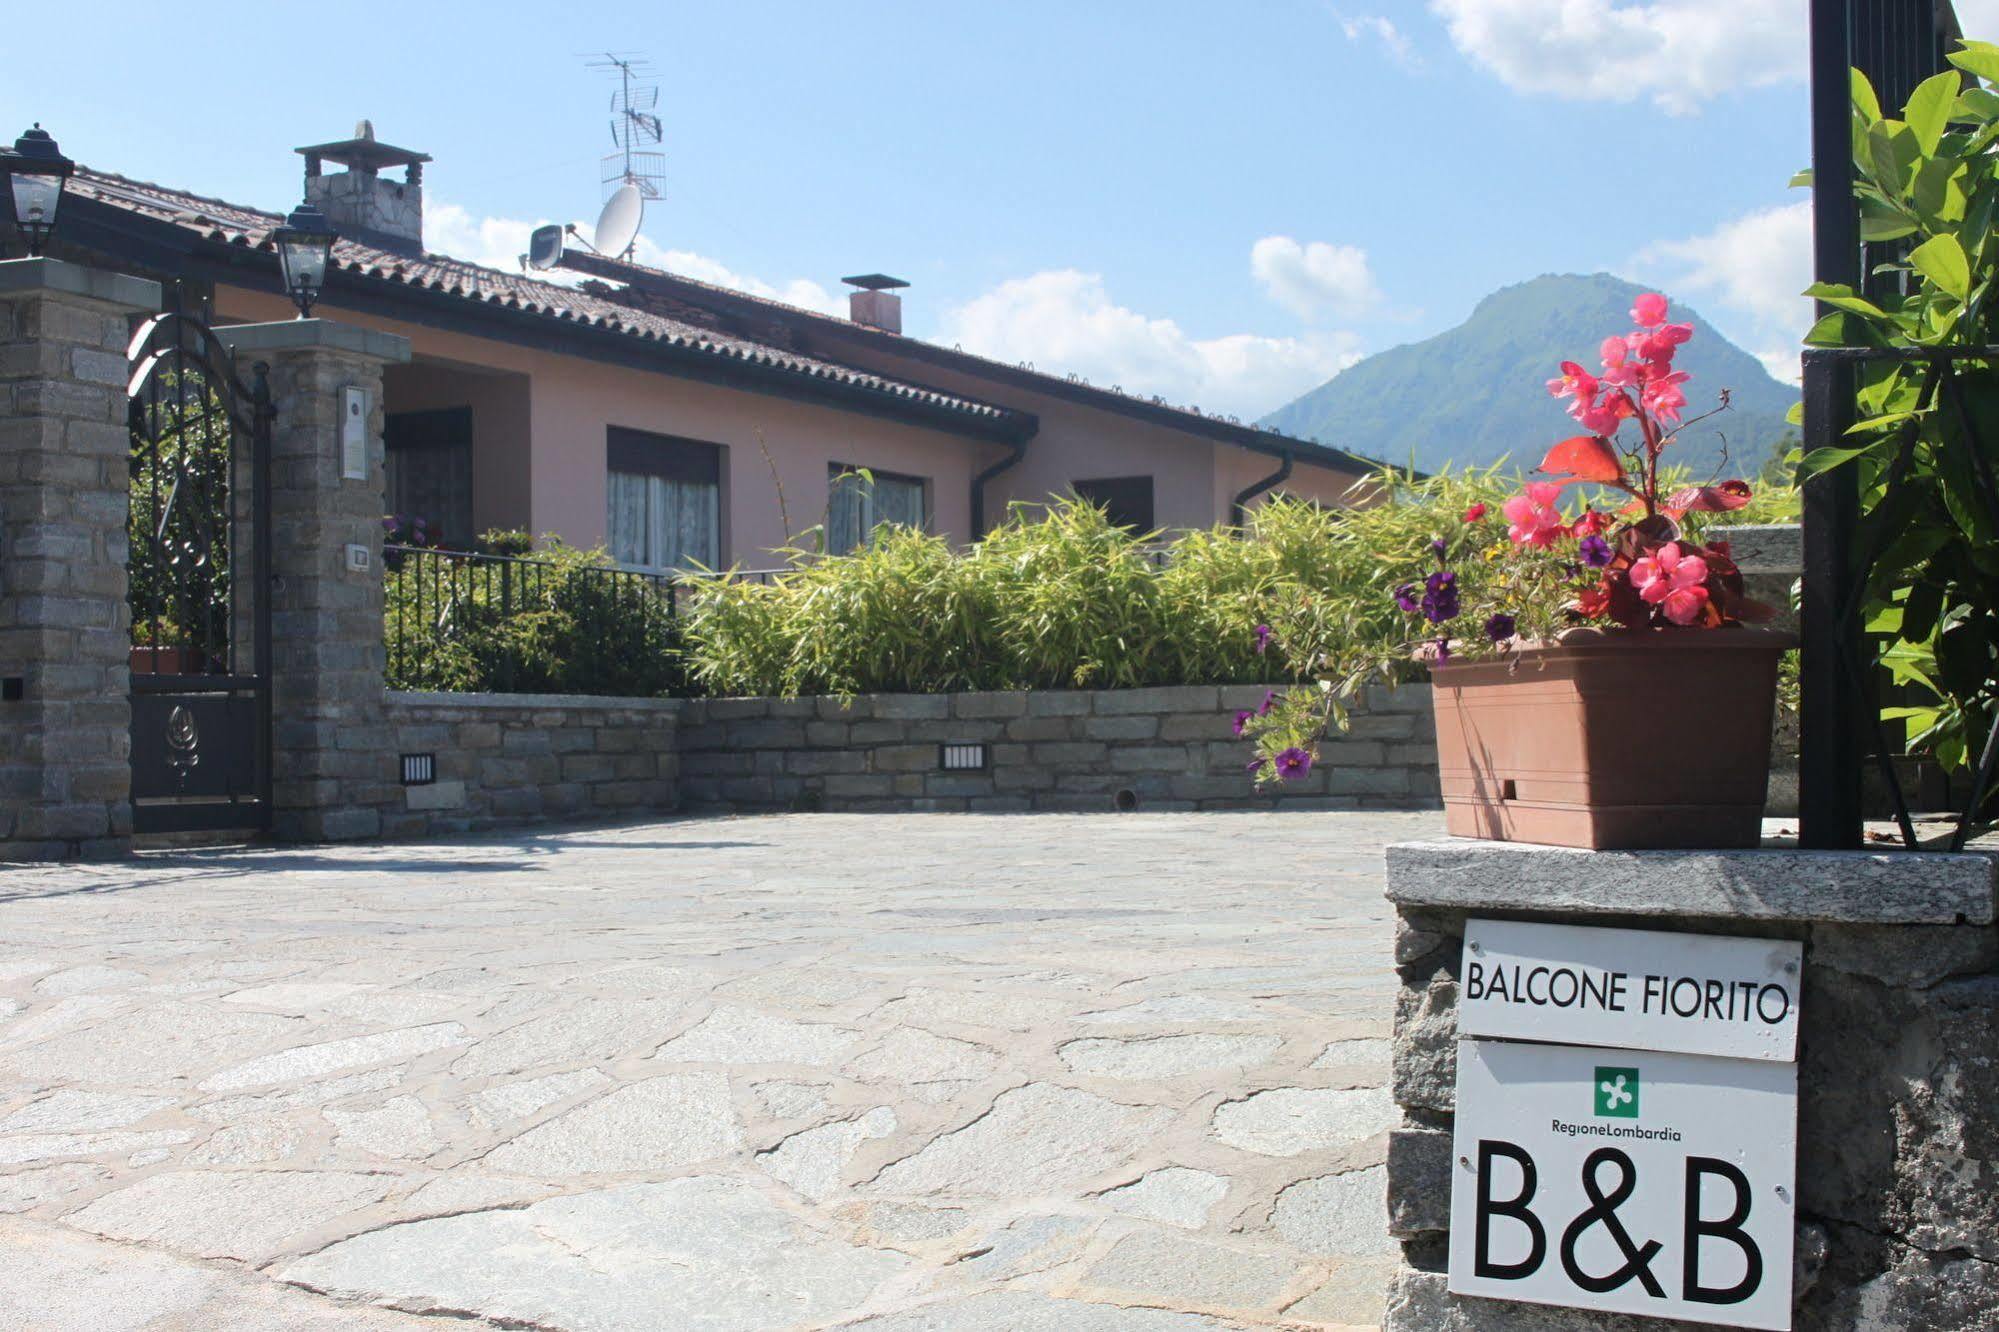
{"x":200,"y":582}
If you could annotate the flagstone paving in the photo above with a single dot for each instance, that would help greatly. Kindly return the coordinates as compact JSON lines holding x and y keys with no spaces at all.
{"x":892,"y":1073}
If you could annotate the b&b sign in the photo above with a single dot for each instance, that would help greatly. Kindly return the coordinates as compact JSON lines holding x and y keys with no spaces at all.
{"x":1652,"y":1175}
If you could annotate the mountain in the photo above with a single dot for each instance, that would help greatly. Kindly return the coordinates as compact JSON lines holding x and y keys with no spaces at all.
{"x":1475,"y":393}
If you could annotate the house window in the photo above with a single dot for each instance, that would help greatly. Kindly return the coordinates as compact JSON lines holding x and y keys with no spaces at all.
{"x":861,"y":503}
{"x":429,"y":465}
{"x":1127,"y":499}
{"x":664,"y":500}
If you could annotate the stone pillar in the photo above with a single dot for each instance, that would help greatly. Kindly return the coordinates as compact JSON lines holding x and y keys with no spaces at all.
{"x":1898,"y":1087}
{"x":65,"y":495}
{"x":329,"y":736}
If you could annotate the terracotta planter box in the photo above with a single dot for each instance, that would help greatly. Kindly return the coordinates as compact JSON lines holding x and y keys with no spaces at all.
{"x":168,"y":661}
{"x":1612,"y":740}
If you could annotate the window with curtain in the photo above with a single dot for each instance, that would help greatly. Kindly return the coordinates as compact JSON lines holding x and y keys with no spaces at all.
{"x":860,"y":504}
{"x":663,"y":500}
{"x":429,"y":464}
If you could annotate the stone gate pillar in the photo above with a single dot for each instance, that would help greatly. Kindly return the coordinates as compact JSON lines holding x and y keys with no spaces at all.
{"x":65,"y":711}
{"x":329,"y":736}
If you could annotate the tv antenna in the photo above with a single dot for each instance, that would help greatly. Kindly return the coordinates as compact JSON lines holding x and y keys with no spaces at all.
{"x":635,"y":127}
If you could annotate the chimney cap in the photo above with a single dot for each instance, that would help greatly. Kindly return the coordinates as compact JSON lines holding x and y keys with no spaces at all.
{"x":363,"y":151}
{"x":874,"y":282}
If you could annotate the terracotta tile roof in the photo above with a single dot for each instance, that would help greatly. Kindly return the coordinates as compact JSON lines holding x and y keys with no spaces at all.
{"x":231,"y":224}
{"x":1231,"y":429}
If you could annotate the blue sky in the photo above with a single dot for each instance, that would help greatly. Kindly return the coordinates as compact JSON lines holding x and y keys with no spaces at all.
{"x":1220,"y":203}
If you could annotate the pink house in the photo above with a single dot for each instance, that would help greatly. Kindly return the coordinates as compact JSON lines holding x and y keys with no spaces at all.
{"x":677,"y":422}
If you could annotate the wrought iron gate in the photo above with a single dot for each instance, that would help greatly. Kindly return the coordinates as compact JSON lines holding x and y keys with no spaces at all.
{"x":200,"y":582}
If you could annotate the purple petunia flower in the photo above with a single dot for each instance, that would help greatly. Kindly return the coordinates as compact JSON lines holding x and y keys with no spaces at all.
{"x":1438,"y":547}
{"x":1269,"y":702}
{"x":1294,"y":763}
{"x":1440,"y":597}
{"x":1405,"y":597}
{"x":1255,"y":766}
{"x":1500,"y":627}
{"x":1242,"y":721}
{"x":1262,"y":637}
{"x":1595,"y":551}
{"x":1443,"y":650}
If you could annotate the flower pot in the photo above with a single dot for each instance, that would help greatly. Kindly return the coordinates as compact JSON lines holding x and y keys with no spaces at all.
{"x":1612,"y":739}
{"x":168,"y":661}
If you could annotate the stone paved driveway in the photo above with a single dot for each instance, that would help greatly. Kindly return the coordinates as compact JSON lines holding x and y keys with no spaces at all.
{"x":728,"y":1075}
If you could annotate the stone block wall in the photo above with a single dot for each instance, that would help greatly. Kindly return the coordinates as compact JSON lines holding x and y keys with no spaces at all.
{"x":1081,"y":750}
{"x":519,"y":758}
{"x":65,"y":631}
{"x":1898,"y":1086}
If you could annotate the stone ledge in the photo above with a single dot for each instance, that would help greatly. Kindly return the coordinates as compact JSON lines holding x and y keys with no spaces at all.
{"x":1848,"y":887}
{"x":314,"y":334}
{"x":473,"y":702}
{"x":1764,"y":548}
{"x":24,"y":277}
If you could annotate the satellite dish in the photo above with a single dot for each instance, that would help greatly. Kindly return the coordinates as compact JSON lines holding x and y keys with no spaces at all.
{"x":618,"y":224}
{"x":545,"y":246}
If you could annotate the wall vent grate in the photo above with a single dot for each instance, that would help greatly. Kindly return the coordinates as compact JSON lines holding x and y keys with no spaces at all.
{"x":963,"y":756}
{"x":419,"y":769}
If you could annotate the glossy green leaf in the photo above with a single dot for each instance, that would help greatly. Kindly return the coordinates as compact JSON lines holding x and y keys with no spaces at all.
{"x":1802,"y":180}
{"x":1865,"y":103}
{"x":1976,"y":104}
{"x":1942,"y":260}
{"x":1819,"y":461}
{"x":1980,"y":58}
{"x":1928,"y":109}
{"x":1841,"y":297}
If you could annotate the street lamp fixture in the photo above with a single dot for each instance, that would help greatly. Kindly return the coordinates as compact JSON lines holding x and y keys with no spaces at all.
{"x":36,"y":172}
{"x":305,"y":243}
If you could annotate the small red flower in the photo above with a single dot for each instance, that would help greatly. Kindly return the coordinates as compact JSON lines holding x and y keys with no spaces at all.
{"x":1475,"y":512}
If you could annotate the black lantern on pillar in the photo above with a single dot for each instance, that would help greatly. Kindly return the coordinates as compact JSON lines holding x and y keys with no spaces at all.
{"x":305,"y":246}
{"x":36,"y":172}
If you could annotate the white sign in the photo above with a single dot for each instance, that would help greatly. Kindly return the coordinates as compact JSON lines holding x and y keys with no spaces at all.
{"x":1625,"y":1181}
{"x":1642,"y":989}
{"x":353,"y":434}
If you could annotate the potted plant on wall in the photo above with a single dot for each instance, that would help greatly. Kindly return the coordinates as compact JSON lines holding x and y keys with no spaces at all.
{"x":1596,"y":680}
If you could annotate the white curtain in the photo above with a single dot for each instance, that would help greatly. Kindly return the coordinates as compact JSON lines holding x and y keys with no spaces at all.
{"x":859,"y":506}
{"x":658,"y":523}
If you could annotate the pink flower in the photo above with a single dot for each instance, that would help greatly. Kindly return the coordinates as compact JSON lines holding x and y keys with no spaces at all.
{"x":1661,"y":343}
{"x":1532,"y":518}
{"x":1648,"y":310}
{"x":1617,"y":367}
{"x":1601,"y":419}
{"x":1676,"y":581}
{"x":1574,"y":382}
{"x":1663,"y":397}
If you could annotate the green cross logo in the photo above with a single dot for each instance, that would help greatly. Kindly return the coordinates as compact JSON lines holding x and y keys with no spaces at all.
{"x":1617,"y":1093}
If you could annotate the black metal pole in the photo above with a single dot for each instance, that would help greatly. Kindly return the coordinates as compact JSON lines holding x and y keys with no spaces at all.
{"x":1830,"y":706}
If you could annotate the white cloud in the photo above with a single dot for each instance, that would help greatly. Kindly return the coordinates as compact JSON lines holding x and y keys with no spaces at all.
{"x":1364,"y":26}
{"x":1065,"y":321}
{"x":1979,"y":19}
{"x":1315,"y":278}
{"x":1747,"y":274}
{"x":1679,"y":53}
{"x":498,"y":242}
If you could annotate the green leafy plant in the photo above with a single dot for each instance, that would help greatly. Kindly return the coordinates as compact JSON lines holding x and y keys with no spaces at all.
{"x":1928,"y":180}
{"x":563,"y":622}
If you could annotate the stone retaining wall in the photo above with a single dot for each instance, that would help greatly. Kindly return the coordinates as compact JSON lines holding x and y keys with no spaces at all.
{"x":1155,"y":749}
{"x":1898,"y":1089}
{"x":516,"y":758}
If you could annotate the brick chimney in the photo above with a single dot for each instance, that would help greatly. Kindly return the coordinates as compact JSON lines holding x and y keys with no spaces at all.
{"x":874,"y":303}
{"x":365,"y":207}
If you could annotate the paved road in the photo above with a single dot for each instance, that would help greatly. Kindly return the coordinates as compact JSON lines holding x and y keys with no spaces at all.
{"x":894,"y":1073}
